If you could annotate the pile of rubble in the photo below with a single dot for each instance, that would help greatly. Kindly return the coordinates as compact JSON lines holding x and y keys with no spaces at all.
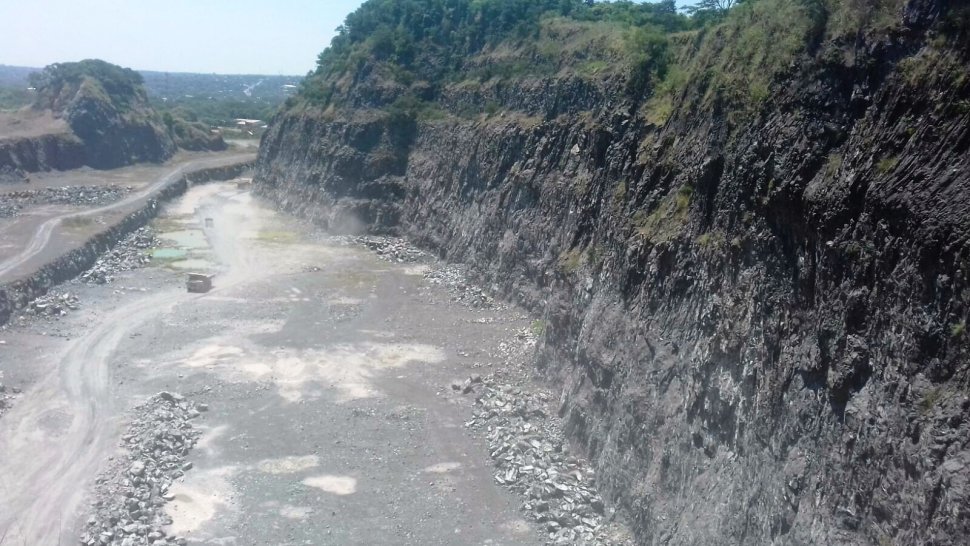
{"x":531,"y":457}
{"x":453,"y":277}
{"x":393,"y":249}
{"x":398,"y":250}
{"x":131,"y":495}
{"x":6,"y":397}
{"x":389,"y":249}
{"x":53,"y":304}
{"x":80,"y":196}
{"x":130,"y":253}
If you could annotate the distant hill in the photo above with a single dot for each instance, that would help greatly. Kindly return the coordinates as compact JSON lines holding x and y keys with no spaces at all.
{"x":92,"y":113}
{"x":240,"y":87}
{"x":15,"y":76}
{"x":211,"y":99}
{"x":173,"y":85}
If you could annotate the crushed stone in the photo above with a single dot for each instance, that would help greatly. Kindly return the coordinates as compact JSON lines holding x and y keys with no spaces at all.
{"x":129,"y":498}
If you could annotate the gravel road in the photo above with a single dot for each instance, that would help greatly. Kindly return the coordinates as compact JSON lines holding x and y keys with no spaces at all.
{"x":326,"y":372}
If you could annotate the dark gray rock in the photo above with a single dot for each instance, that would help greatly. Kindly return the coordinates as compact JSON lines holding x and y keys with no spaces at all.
{"x":757,"y":324}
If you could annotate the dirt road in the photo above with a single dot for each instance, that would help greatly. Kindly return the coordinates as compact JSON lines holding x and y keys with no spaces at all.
{"x":41,"y":236}
{"x":327,"y":372}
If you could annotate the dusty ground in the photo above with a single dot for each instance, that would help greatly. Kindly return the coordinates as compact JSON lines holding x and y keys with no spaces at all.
{"x":28,"y":123}
{"x":40,"y":233}
{"x":137,"y":176}
{"x":326,"y":372}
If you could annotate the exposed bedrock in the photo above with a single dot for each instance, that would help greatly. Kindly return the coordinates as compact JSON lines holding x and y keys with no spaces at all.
{"x":31,"y":154}
{"x":758,"y":325}
{"x":17,"y":294}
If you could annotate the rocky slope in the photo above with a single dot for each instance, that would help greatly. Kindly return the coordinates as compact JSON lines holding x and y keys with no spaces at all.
{"x":110,"y":121}
{"x":31,"y":154}
{"x":757,"y":316}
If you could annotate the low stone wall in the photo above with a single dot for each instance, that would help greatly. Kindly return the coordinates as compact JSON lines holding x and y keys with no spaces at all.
{"x":15,"y":295}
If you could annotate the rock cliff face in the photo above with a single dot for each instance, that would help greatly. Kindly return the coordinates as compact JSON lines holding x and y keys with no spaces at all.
{"x":32,"y":154}
{"x":114,"y":137}
{"x":17,"y":294}
{"x":110,"y":122}
{"x":758,"y":322}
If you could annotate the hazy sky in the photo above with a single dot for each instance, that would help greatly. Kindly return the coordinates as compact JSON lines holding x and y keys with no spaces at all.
{"x":222,"y":36}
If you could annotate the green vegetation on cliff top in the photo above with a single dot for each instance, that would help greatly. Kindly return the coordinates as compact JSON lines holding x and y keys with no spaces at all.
{"x":423,"y":44}
{"x":59,"y":87}
{"x":401,"y":54}
{"x":121,"y":87}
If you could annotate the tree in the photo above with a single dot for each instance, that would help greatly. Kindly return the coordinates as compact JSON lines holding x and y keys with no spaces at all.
{"x":711,"y":7}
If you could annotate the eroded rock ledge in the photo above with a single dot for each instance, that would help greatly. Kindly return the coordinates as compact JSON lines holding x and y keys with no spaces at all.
{"x":758,"y":325}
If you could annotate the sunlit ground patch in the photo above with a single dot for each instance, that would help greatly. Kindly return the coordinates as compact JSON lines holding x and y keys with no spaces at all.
{"x":337,"y":485}
{"x":347,"y":368}
{"x":210,"y":435}
{"x":288,"y":465}
{"x":199,"y":498}
{"x":295,"y":512}
{"x":442,"y":468}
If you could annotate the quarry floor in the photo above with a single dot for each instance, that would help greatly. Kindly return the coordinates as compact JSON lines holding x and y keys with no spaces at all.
{"x":33,"y":238}
{"x":326,"y":373}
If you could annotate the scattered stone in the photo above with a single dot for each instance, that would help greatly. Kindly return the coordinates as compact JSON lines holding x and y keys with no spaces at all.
{"x":454,"y":278}
{"x":130,"y":253}
{"x":55,"y":303}
{"x":401,"y":251}
{"x":131,"y":495}
{"x":6,"y":398}
{"x":387,"y":248}
{"x":80,"y":196}
{"x":531,"y":458}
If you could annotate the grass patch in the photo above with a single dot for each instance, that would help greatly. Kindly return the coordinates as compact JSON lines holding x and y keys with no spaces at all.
{"x":736,"y":60}
{"x":848,"y":18}
{"x":712,"y":240}
{"x":538,"y":327}
{"x":666,"y":221}
{"x":832,"y":165}
{"x":931,"y":399}
{"x":571,"y":260}
{"x":279,"y":237}
{"x":78,"y":222}
{"x":931,"y":67}
{"x":958,"y":329}
{"x":887,"y":164}
{"x":619,"y":194}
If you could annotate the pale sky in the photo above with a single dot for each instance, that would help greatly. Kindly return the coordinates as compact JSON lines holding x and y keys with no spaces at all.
{"x":220,"y":36}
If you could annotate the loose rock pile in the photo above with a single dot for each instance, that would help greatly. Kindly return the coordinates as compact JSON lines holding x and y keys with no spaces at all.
{"x":532,"y":459}
{"x":80,"y":196}
{"x":53,"y":304}
{"x":463,"y":292}
{"x":130,"y":253}
{"x":131,"y":495}
{"x":398,"y":250}
{"x":6,"y":397}
{"x":390,"y":249}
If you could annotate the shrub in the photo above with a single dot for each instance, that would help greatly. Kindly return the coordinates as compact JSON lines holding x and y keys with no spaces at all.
{"x":887,"y":164}
{"x":958,"y":329}
{"x":667,"y":220}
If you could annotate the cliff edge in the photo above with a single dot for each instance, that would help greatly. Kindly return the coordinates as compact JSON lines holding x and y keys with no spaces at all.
{"x":746,"y":235}
{"x":96,"y":114}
